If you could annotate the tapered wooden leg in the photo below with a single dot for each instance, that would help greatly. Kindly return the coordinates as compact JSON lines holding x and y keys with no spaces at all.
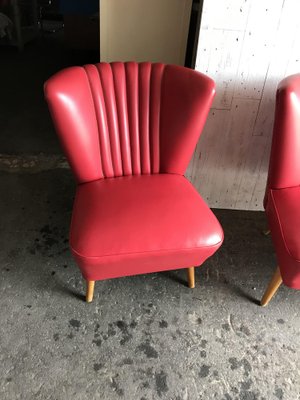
{"x":191,"y":277}
{"x":272,"y":288}
{"x":90,"y":285}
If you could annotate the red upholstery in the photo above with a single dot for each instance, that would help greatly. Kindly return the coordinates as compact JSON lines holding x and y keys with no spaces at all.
{"x":166,"y":224}
{"x":282,"y":200}
{"x":129,"y":131}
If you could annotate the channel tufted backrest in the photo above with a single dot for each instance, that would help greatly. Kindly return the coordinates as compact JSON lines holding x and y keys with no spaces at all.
{"x":128,"y":118}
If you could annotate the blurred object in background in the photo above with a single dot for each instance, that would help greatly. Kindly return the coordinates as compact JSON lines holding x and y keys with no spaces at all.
{"x":23,"y":25}
{"x":81,"y":23}
{"x":6,"y":26}
{"x":50,"y":18}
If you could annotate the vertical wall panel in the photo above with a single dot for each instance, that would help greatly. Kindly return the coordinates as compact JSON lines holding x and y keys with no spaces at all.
{"x":221,"y":58}
{"x":143,"y":30}
{"x":247,"y":47}
{"x":207,"y":158}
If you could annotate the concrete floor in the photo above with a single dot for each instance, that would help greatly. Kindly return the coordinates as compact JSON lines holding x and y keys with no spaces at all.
{"x":143,"y":337}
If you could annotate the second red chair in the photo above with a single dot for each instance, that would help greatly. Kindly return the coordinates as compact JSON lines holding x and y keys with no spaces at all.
{"x":282,"y":197}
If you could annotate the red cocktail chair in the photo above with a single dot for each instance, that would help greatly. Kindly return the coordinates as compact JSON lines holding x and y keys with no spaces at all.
{"x":282,"y":199}
{"x":129,"y":131}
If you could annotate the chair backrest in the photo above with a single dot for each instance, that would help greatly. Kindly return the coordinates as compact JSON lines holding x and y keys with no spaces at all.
{"x":284,"y":167}
{"x":128,"y":118}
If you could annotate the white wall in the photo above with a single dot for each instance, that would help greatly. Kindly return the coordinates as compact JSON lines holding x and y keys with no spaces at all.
{"x":247,"y":47}
{"x":144,"y":30}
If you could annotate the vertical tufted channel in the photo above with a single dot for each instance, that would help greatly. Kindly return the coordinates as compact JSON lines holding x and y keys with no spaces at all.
{"x":120,"y":88}
{"x":143,"y":111}
{"x":100,"y":113}
{"x":133,"y":114}
{"x":127,"y":102}
{"x":154,"y":115}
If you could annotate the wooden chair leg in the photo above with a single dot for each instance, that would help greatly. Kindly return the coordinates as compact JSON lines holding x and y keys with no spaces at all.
{"x":90,"y":285}
{"x":272,"y":288}
{"x":191,"y":277}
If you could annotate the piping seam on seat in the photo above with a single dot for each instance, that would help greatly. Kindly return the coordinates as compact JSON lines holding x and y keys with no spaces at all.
{"x":281,"y":230}
{"x":147,"y":252}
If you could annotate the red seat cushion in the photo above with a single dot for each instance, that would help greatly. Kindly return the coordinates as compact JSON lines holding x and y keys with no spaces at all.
{"x":287,"y":206}
{"x":283,"y":212}
{"x":139,"y":224}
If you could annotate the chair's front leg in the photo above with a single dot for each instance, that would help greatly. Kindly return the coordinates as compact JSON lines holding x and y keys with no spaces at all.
{"x":90,"y":285}
{"x":272,"y":288}
{"x":191,"y":277}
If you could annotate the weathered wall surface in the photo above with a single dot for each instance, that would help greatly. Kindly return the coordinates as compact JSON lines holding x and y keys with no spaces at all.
{"x":247,"y":47}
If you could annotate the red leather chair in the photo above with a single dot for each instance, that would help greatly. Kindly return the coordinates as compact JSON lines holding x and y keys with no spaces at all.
{"x":129,"y":131}
{"x":282,"y":199}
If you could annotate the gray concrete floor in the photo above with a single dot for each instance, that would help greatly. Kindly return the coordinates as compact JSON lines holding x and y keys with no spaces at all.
{"x":143,"y":337}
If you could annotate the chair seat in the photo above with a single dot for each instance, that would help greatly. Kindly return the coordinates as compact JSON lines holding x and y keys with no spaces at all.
{"x":286,"y":203}
{"x":140,"y":224}
{"x":283,"y":213}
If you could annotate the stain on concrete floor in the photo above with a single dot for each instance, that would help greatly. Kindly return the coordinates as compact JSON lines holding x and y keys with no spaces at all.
{"x":144,"y":337}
